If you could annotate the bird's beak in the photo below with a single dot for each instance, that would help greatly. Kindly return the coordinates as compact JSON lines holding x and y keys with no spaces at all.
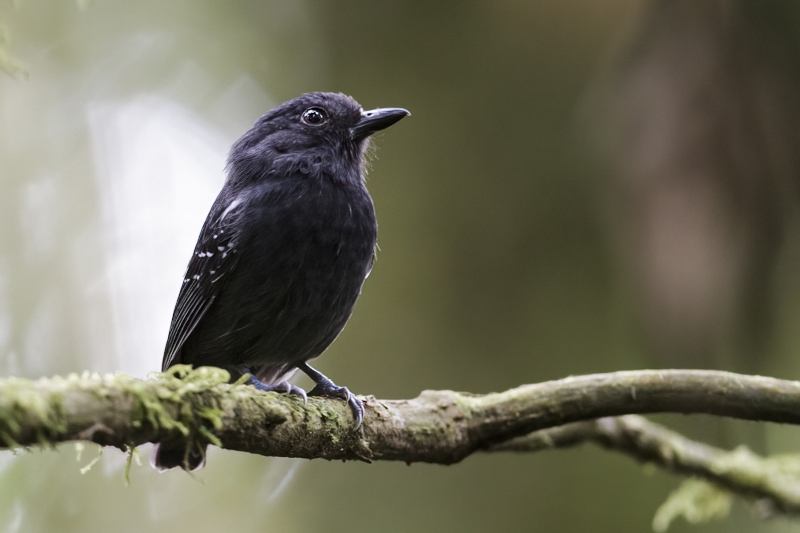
{"x":376,"y":120}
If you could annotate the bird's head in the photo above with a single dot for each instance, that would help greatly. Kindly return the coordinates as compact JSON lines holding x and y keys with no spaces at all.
{"x":316,"y":134}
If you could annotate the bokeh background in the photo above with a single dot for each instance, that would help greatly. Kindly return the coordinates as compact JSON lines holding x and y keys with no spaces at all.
{"x":583,"y":187}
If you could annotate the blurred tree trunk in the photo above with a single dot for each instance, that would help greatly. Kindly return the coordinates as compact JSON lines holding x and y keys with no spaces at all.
{"x":698,"y":113}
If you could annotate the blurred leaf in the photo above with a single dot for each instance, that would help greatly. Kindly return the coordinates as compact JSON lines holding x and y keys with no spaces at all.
{"x":697,"y":501}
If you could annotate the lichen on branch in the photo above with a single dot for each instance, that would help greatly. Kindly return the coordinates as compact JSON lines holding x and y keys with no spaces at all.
{"x":436,"y":427}
{"x":194,"y":408}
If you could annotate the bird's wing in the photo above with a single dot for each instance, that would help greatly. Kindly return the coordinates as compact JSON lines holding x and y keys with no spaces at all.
{"x":214,"y":257}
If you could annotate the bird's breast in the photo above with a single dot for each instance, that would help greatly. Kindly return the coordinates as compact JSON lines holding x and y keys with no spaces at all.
{"x":312,"y":240}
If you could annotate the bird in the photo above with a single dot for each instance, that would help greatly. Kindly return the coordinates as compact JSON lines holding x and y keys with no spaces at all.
{"x":283,"y":254}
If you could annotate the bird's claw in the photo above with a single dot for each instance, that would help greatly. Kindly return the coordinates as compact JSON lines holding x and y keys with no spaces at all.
{"x":288,"y":388}
{"x":299,"y":392}
{"x":282,"y":386}
{"x":329,"y":390}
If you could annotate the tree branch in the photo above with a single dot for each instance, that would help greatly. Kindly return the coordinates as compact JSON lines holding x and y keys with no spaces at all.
{"x":436,"y":427}
{"x":773,"y":484}
{"x":193,"y":408}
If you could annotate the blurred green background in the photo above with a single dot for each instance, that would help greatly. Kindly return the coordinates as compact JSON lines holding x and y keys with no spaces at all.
{"x":582,"y":187}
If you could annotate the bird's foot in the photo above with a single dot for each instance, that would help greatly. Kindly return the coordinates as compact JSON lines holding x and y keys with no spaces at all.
{"x":328,"y":389}
{"x":282,"y":386}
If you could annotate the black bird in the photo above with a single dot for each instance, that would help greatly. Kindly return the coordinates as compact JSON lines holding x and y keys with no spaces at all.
{"x":283,"y":254}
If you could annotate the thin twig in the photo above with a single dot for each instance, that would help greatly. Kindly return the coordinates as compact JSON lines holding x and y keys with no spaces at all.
{"x":773,"y":483}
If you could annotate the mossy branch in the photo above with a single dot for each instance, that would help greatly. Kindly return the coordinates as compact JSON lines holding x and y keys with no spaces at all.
{"x":436,"y":427}
{"x":196,"y":407}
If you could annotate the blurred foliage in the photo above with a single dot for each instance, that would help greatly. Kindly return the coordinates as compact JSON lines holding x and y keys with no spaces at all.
{"x":695,"y":500}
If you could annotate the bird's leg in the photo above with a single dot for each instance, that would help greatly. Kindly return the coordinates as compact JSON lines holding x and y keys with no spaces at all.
{"x":327,"y":388}
{"x":282,"y":386}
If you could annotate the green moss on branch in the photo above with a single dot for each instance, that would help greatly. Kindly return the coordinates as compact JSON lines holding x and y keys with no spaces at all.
{"x":199,"y":406}
{"x":194,"y":408}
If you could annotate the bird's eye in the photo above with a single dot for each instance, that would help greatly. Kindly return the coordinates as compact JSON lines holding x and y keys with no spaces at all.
{"x":314,"y":116}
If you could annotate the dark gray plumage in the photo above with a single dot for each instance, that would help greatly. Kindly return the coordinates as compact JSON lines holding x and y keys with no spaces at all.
{"x":281,"y":258}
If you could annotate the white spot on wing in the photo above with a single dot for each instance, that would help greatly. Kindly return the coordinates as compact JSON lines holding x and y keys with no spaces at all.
{"x":229,"y":208}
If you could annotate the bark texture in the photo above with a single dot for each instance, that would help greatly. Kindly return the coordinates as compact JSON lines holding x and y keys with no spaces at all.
{"x":436,"y":427}
{"x":198,"y":407}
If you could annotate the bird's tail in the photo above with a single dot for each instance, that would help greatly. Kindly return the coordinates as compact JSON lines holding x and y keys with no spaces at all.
{"x":165,"y":457}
